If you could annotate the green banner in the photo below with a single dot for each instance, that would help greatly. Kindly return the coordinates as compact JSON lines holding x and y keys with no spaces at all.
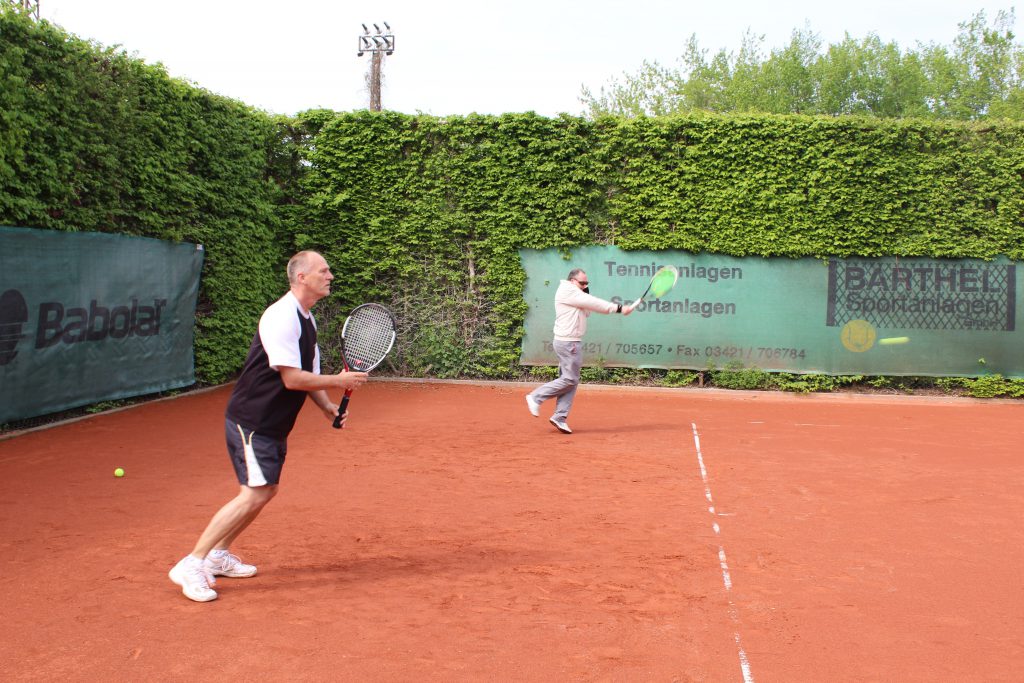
{"x":88,"y":317}
{"x":871,"y":316}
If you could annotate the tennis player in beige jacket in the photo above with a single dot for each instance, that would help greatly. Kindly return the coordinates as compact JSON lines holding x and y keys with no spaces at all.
{"x":573,"y":305}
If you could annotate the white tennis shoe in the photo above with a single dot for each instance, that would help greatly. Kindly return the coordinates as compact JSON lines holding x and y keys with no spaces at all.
{"x":228,"y":565}
{"x":191,"y":574}
{"x":533,"y":405}
{"x":561,"y":426}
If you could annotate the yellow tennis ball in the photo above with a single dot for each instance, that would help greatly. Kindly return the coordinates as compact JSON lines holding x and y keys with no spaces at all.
{"x":118,"y":472}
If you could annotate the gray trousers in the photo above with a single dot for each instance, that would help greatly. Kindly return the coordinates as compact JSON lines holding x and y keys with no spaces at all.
{"x":570,"y":359}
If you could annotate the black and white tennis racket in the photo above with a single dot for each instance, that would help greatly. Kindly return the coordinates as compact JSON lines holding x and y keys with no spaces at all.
{"x":366,"y":339}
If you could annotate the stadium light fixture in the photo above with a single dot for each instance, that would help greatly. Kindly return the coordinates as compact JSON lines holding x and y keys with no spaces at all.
{"x":383,"y":40}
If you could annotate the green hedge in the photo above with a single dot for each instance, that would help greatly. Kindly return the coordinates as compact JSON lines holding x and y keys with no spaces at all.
{"x":810,"y":186}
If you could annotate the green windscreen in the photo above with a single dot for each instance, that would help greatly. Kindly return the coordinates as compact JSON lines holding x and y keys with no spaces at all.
{"x":88,"y":317}
{"x":789,"y":315}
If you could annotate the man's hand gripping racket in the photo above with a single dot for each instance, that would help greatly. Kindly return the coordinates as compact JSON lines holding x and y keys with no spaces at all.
{"x":661,"y":284}
{"x":366,"y":339}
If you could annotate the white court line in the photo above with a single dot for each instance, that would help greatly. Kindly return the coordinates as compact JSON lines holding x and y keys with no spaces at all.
{"x":723,"y":563}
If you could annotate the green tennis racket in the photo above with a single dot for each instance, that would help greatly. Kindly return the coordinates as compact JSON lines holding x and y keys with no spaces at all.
{"x":661,"y":284}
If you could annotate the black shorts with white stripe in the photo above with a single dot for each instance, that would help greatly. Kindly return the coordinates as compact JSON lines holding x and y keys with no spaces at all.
{"x":257,"y":459}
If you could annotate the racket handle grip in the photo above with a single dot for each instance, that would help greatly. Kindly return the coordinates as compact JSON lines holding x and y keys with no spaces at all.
{"x":341,"y":411}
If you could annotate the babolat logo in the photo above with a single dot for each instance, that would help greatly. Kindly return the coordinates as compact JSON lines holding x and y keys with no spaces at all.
{"x":13,"y":315}
{"x":96,"y":323}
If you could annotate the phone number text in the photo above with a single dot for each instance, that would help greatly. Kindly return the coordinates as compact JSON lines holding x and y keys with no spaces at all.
{"x":729,"y":352}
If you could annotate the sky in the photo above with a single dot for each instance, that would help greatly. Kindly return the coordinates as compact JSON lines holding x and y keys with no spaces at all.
{"x":468,"y":56}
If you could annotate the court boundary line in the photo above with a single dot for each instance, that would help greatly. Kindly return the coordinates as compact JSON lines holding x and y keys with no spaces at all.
{"x":723,"y":563}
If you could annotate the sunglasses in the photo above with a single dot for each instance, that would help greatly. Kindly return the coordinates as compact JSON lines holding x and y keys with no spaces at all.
{"x":584,"y":283}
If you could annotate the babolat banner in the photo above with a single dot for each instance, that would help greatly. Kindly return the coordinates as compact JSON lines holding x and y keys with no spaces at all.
{"x":849,"y":316}
{"x":87,"y":317}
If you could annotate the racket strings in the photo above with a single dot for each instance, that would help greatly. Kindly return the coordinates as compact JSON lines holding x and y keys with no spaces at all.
{"x":369,"y":334}
{"x":664,"y":281}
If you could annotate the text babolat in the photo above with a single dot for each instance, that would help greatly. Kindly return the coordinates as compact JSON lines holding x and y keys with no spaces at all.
{"x":58,"y":324}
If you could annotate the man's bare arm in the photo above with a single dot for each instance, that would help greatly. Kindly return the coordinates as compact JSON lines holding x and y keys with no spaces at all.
{"x":297,"y":379}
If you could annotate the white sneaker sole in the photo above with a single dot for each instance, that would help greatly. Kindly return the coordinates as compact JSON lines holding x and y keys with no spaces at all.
{"x":562,"y":428}
{"x":234,"y":574}
{"x":174,"y":576}
{"x":533,"y":407}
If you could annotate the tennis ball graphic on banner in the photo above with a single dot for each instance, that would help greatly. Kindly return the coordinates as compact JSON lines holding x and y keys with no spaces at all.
{"x":858,"y":335}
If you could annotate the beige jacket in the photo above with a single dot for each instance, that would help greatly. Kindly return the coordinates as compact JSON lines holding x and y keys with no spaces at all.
{"x":572,"y":307}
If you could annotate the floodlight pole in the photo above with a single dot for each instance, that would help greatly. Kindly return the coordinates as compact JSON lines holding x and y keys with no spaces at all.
{"x":378,"y":45}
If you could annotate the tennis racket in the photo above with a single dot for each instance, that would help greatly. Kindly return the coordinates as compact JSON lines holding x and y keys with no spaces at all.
{"x":366,"y":339}
{"x":661,"y":283}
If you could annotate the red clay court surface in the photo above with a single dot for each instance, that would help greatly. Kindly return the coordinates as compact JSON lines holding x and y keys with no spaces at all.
{"x":447,"y":535}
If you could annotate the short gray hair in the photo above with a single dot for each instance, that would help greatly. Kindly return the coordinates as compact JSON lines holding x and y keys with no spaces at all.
{"x":298,"y":264}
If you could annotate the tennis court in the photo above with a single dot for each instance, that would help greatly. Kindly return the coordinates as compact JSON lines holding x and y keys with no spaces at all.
{"x":445,"y":534}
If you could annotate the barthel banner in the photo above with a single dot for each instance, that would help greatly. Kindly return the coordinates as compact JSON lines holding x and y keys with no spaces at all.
{"x":89,"y":317}
{"x":873,"y":316}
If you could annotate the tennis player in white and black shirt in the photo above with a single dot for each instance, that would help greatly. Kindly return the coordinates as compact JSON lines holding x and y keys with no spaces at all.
{"x":282,"y":368}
